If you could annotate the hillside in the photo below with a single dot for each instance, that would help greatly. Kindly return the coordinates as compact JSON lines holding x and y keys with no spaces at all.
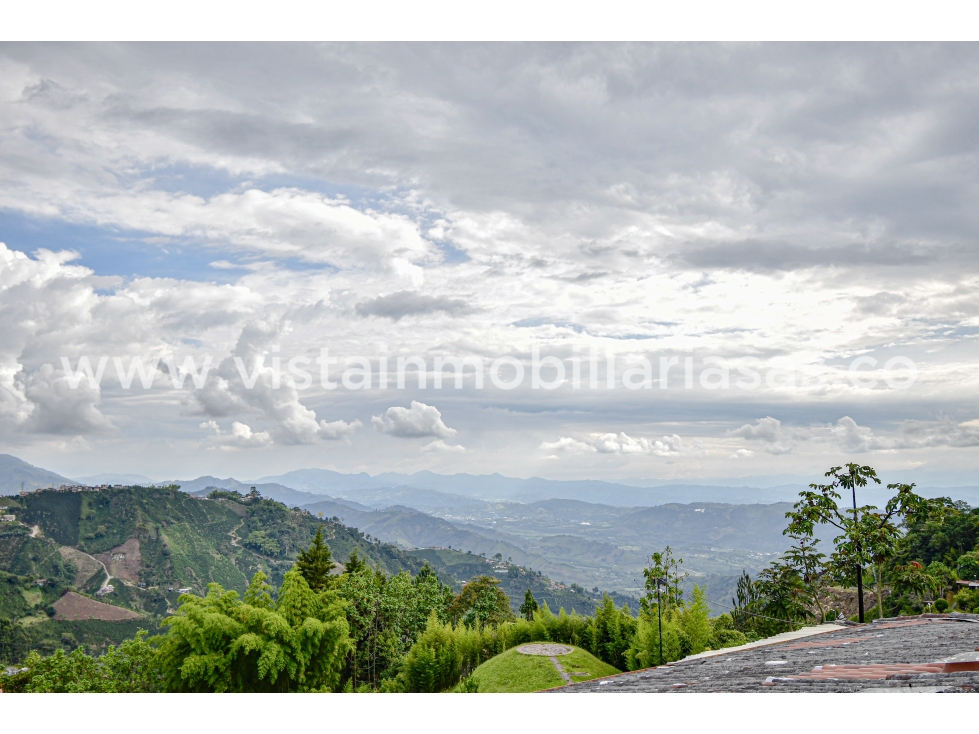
{"x":90,"y":568}
{"x":516,"y":579}
{"x":587,"y":544}
{"x":14,"y":472}
{"x":147,"y":544}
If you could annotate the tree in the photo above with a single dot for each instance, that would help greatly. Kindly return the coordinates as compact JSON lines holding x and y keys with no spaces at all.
{"x":810,"y":566}
{"x":129,"y":668}
{"x":433,"y":663}
{"x":431,"y":595}
{"x":315,"y":563}
{"x":481,"y":602}
{"x":881,"y":537}
{"x":663,"y":565}
{"x":913,"y":579}
{"x":611,"y":632}
{"x":7,"y":648}
{"x":944,"y":578}
{"x":781,"y":594}
{"x":219,"y":643}
{"x":948,"y":531}
{"x":372,"y":647}
{"x":745,"y":597}
{"x":354,"y":563}
{"x":695,"y":622}
{"x":968,"y":566}
{"x":864,"y":531}
{"x":529,"y":606}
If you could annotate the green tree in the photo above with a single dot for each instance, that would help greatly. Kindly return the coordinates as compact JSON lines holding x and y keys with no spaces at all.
{"x":611,"y":633}
{"x":912,"y":579}
{"x":129,"y":668}
{"x":968,"y":566}
{"x":431,"y":595}
{"x":696,"y":623}
{"x":481,"y":602}
{"x":810,"y":565}
{"x":372,"y":647}
{"x":944,"y":578}
{"x":744,"y":600}
{"x":529,"y":606}
{"x":645,"y":646}
{"x":8,"y":631}
{"x":316,"y":562}
{"x":435,"y":662}
{"x":781,"y":593}
{"x":662,"y":565}
{"x":947,"y":531}
{"x":354,"y":563}
{"x":864,"y":531}
{"x":219,"y":643}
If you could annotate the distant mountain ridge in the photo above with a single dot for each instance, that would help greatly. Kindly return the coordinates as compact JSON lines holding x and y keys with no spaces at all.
{"x":496,"y":487}
{"x":486,"y":487}
{"x":14,"y":471}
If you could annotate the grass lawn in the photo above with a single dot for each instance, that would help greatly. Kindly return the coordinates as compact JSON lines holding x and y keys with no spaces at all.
{"x":512,"y":672}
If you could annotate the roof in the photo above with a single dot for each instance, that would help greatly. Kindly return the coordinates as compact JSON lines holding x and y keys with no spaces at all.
{"x":926,"y":653}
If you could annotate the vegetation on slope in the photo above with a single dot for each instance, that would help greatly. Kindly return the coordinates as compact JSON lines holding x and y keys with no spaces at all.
{"x":182,"y":542}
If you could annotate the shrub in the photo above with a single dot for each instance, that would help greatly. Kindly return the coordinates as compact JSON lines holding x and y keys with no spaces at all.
{"x":219,"y":643}
{"x":434,"y":661}
{"x":130,"y":668}
{"x":941,"y":606}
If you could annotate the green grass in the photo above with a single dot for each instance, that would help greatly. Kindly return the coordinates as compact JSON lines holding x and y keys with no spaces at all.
{"x":512,"y":672}
{"x":581,"y":661}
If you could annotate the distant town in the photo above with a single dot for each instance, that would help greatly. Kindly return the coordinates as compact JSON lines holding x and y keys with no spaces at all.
{"x":73,"y":488}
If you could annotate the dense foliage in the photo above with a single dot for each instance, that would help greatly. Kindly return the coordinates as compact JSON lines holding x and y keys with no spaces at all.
{"x":910,"y":555}
{"x":130,"y":668}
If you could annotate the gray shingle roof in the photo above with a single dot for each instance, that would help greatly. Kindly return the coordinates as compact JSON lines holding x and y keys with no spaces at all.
{"x":926,"y":653}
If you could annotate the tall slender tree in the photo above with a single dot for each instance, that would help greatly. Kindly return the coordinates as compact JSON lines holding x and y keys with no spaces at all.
{"x":316,"y":562}
{"x":529,"y":606}
{"x":860,"y":526}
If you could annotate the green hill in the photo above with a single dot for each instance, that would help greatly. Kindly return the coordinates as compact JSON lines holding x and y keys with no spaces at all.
{"x":152,"y":542}
{"x":514,"y":672}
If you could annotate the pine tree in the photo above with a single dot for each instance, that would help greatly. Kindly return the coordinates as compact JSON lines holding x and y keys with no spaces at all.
{"x":354,"y":563}
{"x":529,"y":606}
{"x":315,"y":563}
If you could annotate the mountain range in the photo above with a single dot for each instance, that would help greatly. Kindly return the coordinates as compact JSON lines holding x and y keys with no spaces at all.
{"x":592,"y":533}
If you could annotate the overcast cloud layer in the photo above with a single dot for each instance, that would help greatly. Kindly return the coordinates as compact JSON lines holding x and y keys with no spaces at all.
{"x":789,"y":207}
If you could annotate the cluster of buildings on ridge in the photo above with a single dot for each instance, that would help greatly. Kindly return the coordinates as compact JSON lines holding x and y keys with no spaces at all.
{"x":73,"y":488}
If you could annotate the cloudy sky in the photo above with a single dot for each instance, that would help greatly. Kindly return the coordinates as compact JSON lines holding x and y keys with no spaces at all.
{"x":779,"y":210}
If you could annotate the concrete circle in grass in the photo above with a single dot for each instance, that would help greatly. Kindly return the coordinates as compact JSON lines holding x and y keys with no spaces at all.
{"x":545,"y":650}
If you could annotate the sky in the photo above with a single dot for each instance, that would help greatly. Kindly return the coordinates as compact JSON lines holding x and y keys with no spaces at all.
{"x":798,"y":221}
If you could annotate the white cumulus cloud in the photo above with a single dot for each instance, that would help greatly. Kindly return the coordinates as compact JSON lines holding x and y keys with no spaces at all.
{"x":440,"y":445}
{"x":417,"y":421}
{"x":616,"y":443}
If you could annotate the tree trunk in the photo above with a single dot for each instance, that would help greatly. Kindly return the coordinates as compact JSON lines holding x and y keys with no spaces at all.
{"x":879,"y":573}
{"x":819,"y":606}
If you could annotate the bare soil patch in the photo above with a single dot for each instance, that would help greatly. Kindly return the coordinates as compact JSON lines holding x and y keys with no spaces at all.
{"x":85,"y":565}
{"x":73,"y":607}
{"x":124,"y":561}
